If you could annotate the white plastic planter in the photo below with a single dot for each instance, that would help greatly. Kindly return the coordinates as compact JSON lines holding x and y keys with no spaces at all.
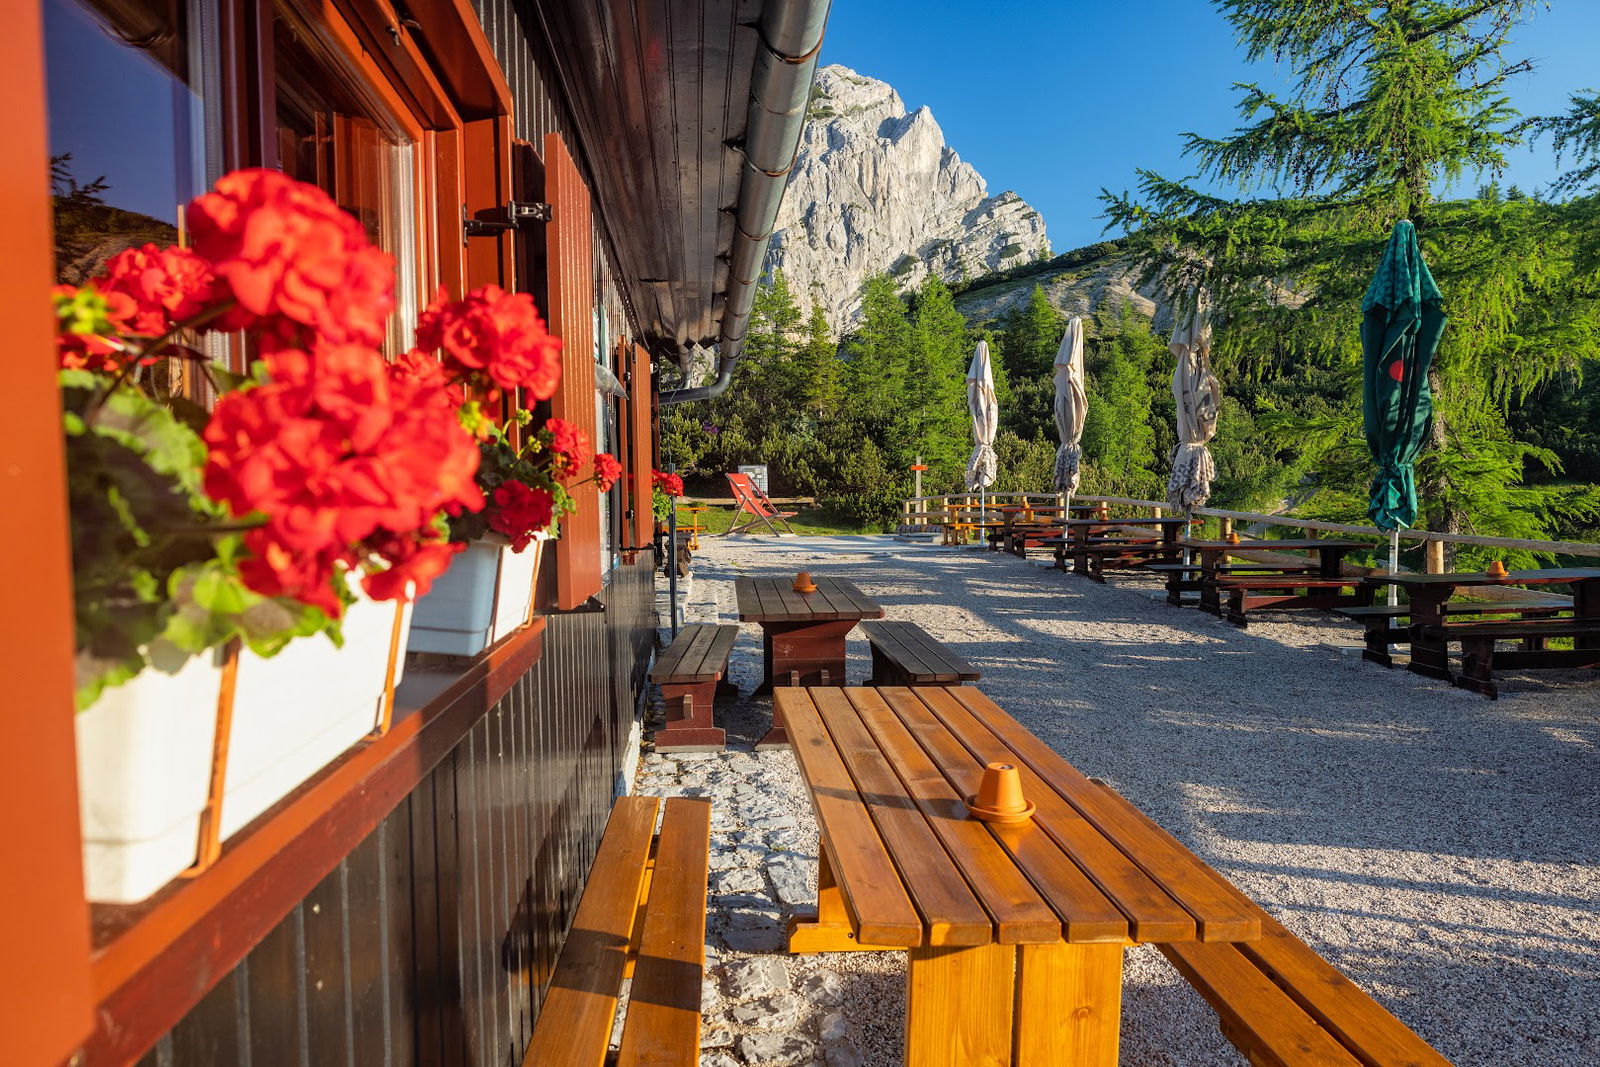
{"x":484,"y":595}
{"x":295,"y":712}
{"x":144,"y":770}
{"x":145,"y":748}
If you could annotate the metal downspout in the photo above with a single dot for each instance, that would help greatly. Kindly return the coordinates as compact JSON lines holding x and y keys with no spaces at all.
{"x":780,"y":90}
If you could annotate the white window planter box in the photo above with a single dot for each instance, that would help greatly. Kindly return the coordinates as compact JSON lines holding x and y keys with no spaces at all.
{"x":145,"y":748}
{"x":485,"y":595}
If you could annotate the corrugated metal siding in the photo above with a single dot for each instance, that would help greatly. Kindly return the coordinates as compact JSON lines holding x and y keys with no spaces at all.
{"x":433,"y":942}
{"x":525,"y":62}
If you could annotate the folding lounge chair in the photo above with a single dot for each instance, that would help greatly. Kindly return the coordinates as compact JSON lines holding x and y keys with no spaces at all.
{"x":754,"y":503}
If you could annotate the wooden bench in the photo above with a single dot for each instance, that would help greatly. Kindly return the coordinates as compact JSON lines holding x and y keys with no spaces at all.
{"x":1115,"y":551}
{"x":1479,"y":658}
{"x":1248,"y":592}
{"x":1379,"y":631}
{"x":1281,"y":1004}
{"x":642,"y":912}
{"x":903,"y":653}
{"x":691,"y":673}
{"x":1184,"y":578}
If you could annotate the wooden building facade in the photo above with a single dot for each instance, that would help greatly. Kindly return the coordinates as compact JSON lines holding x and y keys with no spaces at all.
{"x":406,"y":904}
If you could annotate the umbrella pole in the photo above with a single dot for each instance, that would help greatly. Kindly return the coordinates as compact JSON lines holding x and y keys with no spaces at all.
{"x":1188,"y":517}
{"x":1394,"y":564}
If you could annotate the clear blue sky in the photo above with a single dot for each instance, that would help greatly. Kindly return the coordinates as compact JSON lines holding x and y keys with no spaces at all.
{"x":1057,"y":98}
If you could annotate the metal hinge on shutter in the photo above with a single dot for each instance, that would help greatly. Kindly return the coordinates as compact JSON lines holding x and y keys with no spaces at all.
{"x":513,"y":215}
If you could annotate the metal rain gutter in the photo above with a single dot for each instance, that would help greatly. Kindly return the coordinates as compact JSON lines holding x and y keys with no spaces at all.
{"x":780,"y":90}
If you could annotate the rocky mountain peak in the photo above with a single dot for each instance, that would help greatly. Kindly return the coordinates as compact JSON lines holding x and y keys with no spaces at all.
{"x":876,"y":188}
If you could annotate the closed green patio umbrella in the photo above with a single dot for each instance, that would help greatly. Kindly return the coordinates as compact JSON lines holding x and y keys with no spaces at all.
{"x":1400,"y":327}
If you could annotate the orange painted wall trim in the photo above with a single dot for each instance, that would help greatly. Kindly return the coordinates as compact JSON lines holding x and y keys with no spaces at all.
{"x":45,"y":1000}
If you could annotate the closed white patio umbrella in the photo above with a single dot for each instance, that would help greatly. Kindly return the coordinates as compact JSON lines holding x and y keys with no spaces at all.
{"x":1198,"y":397}
{"x":1071,"y":408}
{"x":983,"y":467}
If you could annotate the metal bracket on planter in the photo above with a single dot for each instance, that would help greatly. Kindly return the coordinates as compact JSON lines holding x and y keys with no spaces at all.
{"x":513,"y":215}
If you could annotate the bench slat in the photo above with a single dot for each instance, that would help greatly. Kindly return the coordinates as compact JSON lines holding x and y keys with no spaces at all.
{"x":1256,"y":1015}
{"x":663,"y":1021}
{"x":1516,"y":628}
{"x":574,"y":1025}
{"x":1453,"y":607}
{"x":1338,"y":1004}
{"x":918,"y":653}
{"x":698,"y":654}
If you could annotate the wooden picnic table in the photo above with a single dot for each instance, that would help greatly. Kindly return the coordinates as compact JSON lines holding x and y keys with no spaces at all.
{"x":1329,"y":554}
{"x":1014,"y":932}
{"x":1428,"y":594}
{"x":1080,"y":533}
{"x":802,"y":634}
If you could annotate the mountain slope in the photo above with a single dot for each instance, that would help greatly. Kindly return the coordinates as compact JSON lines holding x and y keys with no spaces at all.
{"x":875,"y":188}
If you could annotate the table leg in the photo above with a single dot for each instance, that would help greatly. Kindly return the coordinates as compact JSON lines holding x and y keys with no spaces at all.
{"x":959,"y":1003}
{"x":1069,"y":1005}
{"x":1210,"y":560}
{"x":812,"y":650}
{"x":1586,"y":605}
{"x":1429,"y":656}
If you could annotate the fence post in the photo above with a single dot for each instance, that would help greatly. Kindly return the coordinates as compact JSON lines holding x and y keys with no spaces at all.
{"x":1225,"y":524}
{"x":1433,"y":554}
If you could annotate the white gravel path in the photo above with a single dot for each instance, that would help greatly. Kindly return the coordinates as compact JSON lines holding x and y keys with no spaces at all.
{"x":1441,"y":849}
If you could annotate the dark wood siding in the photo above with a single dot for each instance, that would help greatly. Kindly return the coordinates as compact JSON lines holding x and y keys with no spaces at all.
{"x":433,"y":941}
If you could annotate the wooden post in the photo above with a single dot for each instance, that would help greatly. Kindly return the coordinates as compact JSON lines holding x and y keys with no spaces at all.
{"x":1226,"y":526}
{"x":1433,"y":554}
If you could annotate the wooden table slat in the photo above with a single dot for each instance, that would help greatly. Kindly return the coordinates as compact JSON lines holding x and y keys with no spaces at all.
{"x":951,"y":912}
{"x":1223,"y":913}
{"x":1086,"y":913}
{"x":1021,"y":915}
{"x":874,"y":896}
{"x":1152,"y":912}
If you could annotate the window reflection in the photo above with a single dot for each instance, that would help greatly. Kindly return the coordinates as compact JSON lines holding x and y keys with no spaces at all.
{"x":127,"y":91}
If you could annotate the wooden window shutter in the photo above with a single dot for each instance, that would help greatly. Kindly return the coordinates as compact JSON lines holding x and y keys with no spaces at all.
{"x":641,"y":442}
{"x":570,"y":239}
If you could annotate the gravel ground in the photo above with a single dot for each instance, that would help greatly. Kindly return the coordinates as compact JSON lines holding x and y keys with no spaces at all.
{"x":1441,"y":849}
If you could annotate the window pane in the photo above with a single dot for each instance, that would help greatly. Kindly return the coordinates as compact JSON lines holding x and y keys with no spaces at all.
{"x":333,"y":134}
{"x":128,"y":87}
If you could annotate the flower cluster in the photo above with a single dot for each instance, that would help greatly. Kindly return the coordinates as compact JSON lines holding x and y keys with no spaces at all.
{"x":295,"y":266}
{"x":529,"y":487}
{"x":344,"y":458}
{"x":493,"y":339}
{"x":670,"y":484}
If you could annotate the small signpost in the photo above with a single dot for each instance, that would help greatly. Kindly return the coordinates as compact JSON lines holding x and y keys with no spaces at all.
{"x":758,"y":475}
{"x":916,"y":470}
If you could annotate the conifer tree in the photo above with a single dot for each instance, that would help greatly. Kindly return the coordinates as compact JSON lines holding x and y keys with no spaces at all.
{"x":1390,"y":101}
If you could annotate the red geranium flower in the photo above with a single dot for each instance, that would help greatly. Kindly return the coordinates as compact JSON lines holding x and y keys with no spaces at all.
{"x":88,"y":323}
{"x":497,"y":334}
{"x":670,"y":484}
{"x":292,"y":259}
{"x":606,"y":470}
{"x":166,"y":286}
{"x":519,"y":511}
{"x":341,"y":455}
{"x":413,"y":563}
{"x":570,"y":444}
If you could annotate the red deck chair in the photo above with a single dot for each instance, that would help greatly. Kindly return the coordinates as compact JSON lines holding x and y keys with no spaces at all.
{"x":754,"y":503}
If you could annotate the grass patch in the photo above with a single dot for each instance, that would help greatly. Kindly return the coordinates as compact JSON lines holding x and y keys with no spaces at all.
{"x":807,"y":520}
